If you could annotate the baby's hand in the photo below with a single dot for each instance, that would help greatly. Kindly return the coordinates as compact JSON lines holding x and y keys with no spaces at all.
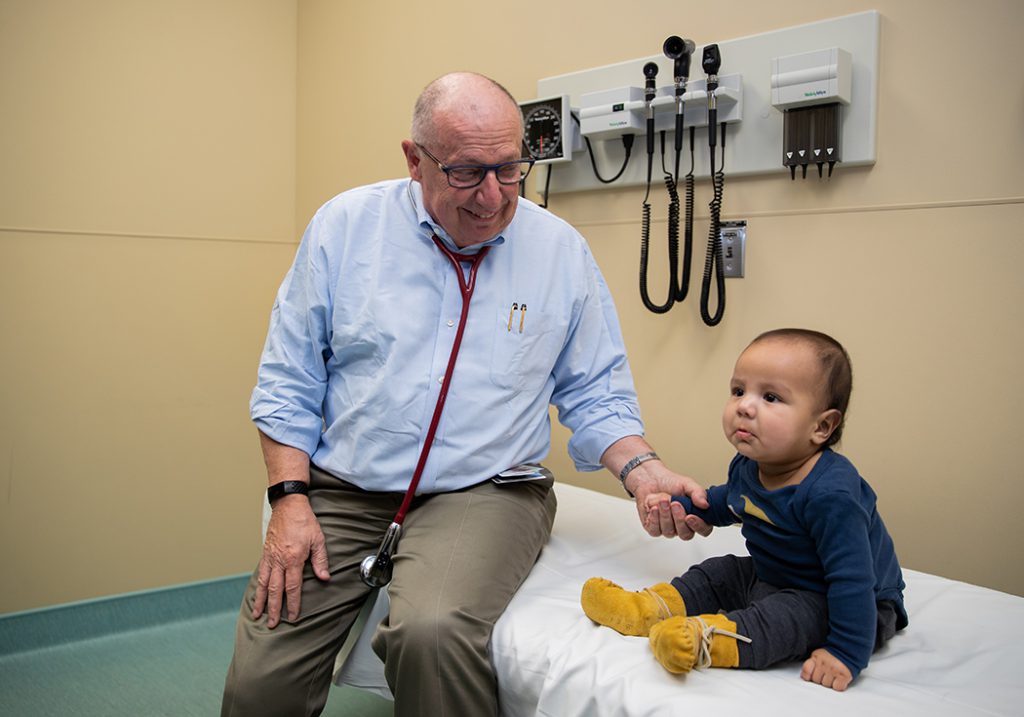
{"x":654,"y":498}
{"x":827,"y":670}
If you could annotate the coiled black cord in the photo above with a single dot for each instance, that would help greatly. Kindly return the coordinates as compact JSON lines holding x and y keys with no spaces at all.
{"x":714,"y":260}
{"x":688,"y":182}
{"x":645,"y":236}
{"x":673,"y":250}
{"x":678,"y":285}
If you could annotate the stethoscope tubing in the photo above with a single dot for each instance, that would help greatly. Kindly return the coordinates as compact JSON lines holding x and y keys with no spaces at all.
{"x":466,"y":288}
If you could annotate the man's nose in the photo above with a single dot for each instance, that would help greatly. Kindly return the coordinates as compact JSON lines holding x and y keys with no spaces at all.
{"x":489,"y":190}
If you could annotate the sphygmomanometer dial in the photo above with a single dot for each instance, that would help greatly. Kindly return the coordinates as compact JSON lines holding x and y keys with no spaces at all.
{"x":542,"y":130}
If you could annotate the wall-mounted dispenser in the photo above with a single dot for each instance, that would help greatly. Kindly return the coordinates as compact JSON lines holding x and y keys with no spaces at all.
{"x":811,"y":78}
{"x":809,"y":89}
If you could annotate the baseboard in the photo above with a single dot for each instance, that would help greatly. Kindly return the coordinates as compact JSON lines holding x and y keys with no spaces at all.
{"x":88,"y":619}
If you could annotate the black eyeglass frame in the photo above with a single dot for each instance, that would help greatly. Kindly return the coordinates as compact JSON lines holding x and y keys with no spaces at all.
{"x":482,"y":168}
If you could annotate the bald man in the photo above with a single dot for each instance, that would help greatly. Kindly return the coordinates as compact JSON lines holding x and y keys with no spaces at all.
{"x":354,"y":369}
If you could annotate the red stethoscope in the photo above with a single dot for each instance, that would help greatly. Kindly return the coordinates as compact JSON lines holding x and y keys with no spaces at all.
{"x":375,"y":570}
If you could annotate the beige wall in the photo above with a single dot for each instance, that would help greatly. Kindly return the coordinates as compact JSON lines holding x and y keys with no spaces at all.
{"x":160,"y":159}
{"x":146,"y":214}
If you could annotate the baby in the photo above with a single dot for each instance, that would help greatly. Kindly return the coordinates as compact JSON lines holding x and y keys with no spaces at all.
{"x":822,"y":582}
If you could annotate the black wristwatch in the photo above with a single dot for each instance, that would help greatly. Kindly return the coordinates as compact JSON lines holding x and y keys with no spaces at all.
{"x":286,"y":487}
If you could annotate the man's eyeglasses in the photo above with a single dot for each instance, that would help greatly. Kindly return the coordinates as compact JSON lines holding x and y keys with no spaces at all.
{"x":466,"y":176}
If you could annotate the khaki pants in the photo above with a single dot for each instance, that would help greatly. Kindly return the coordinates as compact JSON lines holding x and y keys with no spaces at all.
{"x":460,"y":560}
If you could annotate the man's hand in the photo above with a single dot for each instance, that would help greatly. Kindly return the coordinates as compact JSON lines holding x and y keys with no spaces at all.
{"x":658,"y":514}
{"x":653,"y":477}
{"x":827,"y":670}
{"x":293,"y":536}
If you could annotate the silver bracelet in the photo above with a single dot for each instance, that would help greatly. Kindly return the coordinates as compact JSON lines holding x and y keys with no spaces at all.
{"x":633,"y":463}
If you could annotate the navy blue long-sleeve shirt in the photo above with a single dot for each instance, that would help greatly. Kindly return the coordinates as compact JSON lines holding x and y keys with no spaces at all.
{"x":824,"y":535}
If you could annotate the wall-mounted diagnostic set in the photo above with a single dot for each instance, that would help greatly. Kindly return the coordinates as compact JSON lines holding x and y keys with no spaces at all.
{"x":785,"y":100}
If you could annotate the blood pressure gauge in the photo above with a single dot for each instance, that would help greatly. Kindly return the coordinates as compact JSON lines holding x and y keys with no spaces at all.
{"x":548,"y":129}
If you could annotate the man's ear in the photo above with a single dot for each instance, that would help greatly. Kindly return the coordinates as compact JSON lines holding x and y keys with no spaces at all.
{"x":412,"y":158}
{"x":828,"y":421}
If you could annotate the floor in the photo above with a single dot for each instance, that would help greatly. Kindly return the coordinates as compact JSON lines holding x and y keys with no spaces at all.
{"x":163,"y":652}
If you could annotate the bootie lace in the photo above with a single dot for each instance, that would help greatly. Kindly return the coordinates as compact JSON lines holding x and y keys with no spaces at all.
{"x":707,"y":632}
{"x":663,"y":610}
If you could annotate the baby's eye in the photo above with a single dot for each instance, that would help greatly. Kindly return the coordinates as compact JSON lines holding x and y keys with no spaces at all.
{"x":736,"y":391}
{"x":771,"y":397}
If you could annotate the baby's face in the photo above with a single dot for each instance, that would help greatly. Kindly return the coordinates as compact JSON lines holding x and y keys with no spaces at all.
{"x":774,"y":402}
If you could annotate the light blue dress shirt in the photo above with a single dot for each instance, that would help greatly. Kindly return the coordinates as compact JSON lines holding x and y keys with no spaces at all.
{"x":364,"y":322}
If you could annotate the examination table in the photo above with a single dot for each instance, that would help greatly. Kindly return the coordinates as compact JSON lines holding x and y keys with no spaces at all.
{"x":962,"y":654}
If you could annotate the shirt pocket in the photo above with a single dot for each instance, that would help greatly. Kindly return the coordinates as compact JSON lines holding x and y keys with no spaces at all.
{"x":526,"y":348}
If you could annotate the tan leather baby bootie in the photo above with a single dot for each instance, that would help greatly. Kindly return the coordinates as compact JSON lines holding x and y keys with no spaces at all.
{"x":682,"y":643}
{"x":630,"y":613}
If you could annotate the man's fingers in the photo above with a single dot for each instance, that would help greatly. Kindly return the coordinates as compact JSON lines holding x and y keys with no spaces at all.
{"x":666,"y":519}
{"x":682,"y":527}
{"x":274,"y":595}
{"x":670,"y":519}
{"x":699,"y":496}
{"x":698,"y":526}
{"x":318,"y":559}
{"x":293,"y":591}
{"x":260,"y":599}
{"x":648,"y":519}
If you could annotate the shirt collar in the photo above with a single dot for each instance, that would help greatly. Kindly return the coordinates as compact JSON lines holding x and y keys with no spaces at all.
{"x":429,"y":227}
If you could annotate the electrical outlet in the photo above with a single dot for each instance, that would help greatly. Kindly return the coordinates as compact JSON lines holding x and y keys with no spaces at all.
{"x":733,"y":236}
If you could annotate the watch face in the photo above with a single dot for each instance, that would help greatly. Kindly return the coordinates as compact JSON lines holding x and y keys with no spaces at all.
{"x":542,"y":129}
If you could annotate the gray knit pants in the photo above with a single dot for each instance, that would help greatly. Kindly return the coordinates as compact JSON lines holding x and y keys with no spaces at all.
{"x":783,"y":624}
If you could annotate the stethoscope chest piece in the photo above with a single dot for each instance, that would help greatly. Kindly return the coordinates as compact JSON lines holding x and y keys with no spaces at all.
{"x":375,"y":570}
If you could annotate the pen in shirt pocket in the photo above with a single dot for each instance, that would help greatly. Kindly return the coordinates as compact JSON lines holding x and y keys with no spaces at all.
{"x":521,"y":308}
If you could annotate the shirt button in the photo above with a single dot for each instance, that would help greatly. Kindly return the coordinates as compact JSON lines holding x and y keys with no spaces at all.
{"x":440,"y":379}
{"x":450,"y":323}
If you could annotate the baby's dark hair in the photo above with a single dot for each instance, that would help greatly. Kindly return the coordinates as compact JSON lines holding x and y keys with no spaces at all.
{"x":836,"y":370}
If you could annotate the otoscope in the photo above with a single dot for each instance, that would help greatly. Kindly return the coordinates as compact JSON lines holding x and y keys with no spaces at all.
{"x":679,"y":51}
{"x":650,"y":73}
{"x":712,"y":61}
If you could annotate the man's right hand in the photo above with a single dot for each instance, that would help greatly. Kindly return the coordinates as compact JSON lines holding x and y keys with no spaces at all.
{"x":293,"y":537}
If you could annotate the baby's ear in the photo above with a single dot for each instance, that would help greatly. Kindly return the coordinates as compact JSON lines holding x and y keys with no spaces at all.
{"x":828,"y":422}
